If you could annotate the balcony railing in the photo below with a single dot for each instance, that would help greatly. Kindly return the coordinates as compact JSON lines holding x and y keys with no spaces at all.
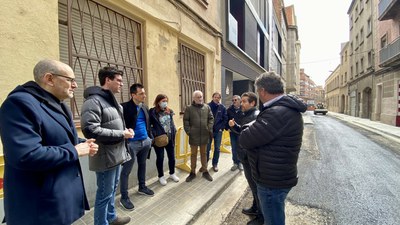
{"x":390,"y":55}
{"x":388,"y":9}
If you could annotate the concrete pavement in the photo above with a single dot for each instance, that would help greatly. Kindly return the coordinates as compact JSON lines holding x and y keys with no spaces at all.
{"x":182,"y":202}
{"x":203,"y":202}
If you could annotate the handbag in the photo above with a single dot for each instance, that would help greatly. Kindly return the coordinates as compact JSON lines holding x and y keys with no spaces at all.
{"x":161,"y":141}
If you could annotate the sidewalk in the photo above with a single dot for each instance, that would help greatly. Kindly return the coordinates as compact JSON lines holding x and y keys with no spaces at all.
{"x":182,"y":202}
{"x":202,"y":202}
{"x":385,"y":130}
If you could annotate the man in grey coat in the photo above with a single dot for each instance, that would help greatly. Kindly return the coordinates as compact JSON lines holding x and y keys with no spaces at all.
{"x":102,"y":119}
{"x":198,"y":124}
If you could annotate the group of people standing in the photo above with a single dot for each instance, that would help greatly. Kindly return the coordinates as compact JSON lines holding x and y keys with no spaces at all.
{"x":43,"y":181}
{"x":265,"y":143}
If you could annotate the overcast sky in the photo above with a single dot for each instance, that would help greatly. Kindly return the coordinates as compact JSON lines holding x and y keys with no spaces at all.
{"x":323,"y":25}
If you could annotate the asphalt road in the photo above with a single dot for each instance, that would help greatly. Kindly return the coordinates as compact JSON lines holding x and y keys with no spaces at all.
{"x":347,"y":176}
{"x":350,"y":174}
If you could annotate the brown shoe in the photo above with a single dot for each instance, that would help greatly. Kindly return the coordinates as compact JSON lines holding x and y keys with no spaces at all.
{"x":207,"y":176}
{"x":121,"y":221}
{"x":190,"y":177}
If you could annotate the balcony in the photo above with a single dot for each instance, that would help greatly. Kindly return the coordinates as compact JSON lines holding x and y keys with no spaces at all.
{"x":388,"y":9}
{"x":390,"y":55}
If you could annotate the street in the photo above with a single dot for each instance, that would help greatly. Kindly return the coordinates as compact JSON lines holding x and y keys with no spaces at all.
{"x":349,"y":173}
{"x":347,"y":176}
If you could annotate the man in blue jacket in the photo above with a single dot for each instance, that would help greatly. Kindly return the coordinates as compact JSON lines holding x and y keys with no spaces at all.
{"x":43,"y":181}
{"x":136,"y":115}
{"x":220,"y":121}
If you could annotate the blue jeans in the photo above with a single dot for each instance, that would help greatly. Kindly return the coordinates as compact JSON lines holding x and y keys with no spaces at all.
{"x":104,"y":209}
{"x":217,"y":143}
{"x":272,"y":202}
{"x":160,"y":158}
{"x":139,"y":150}
{"x":234,"y":145}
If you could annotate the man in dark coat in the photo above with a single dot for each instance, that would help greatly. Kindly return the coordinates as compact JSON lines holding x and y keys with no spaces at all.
{"x":136,"y":115}
{"x":43,"y":181}
{"x":235,"y":113}
{"x":197,"y":123}
{"x":273,"y":143}
{"x":220,"y":120}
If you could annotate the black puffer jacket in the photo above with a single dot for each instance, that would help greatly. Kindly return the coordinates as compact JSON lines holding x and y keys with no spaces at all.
{"x":273,"y":143}
{"x":246,"y":119}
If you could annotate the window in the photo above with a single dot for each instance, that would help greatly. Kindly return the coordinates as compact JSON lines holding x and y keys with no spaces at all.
{"x":384,"y":41}
{"x":345,"y":56}
{"x":192,"y":74}
{"x":351,"y":48}
{"x":99,"y":37}
{"x":351,"y":73}
{"x":361,"y":36}
{"x":351,"y":22}
{"x":356,"y":13}
{"x":369,"y":26}
{"x":362,"y":65}
{"x":369,"y":59}
{"x":357,"y":69}
{"x":357,"y":41}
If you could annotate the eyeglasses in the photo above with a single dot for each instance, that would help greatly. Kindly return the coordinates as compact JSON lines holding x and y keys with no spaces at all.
{"x":234,"y":100}
{"x":69,"y":79}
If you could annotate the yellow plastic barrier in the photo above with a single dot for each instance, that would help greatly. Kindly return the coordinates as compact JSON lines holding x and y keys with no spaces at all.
{"x":182,"y":148}
{"x":225,"y":142}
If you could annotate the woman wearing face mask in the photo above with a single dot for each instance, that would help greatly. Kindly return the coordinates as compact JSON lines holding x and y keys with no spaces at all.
{"x":161,"y":121}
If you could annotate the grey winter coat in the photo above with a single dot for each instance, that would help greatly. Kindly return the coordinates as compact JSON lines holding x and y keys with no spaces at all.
{"x":198,"y":123}
{"x":102,"y":119}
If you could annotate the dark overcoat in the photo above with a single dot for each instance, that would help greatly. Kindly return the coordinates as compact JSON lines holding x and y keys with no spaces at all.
{"x":43,"y":181}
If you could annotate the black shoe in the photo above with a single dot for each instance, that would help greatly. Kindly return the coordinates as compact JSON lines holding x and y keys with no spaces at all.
{"x":146,"y":191}
{"x":190,"y":177}
{"x":121,"y":221}
{"x":207,"y":176}
{"x":256,"y":221}
{"x":126,"y":204}
{"x":252,"y":211}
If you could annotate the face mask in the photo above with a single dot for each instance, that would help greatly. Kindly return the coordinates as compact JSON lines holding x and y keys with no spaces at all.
{"x":163,"y":105}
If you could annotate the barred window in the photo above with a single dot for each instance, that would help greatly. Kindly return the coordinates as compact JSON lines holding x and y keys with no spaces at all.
{"x":93,"y":36}
{"x":192,"y":74}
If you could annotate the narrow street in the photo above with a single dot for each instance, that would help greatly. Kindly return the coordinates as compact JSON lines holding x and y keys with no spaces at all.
{"x":350,"y":174}
{"x":347,"y":176}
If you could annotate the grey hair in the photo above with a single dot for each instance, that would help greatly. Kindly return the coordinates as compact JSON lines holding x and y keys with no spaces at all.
{"x":237,"y":96}
{"x":270,"y":82}
{"x":195,"y":93}
{"x":47,"y":66}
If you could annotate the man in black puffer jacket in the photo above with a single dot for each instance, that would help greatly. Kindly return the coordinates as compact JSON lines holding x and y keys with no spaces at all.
{"x":273,"y":144}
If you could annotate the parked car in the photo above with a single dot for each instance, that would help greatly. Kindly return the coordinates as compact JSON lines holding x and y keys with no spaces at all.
{"x":320,"y":108}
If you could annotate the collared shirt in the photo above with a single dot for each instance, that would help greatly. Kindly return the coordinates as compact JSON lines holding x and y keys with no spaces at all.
{"x":272,"y":101}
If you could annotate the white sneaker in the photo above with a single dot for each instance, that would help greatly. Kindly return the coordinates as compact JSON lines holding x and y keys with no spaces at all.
{"x":174,"y":177}
{"x":240,"y":166}
{"x":162,"y":180}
